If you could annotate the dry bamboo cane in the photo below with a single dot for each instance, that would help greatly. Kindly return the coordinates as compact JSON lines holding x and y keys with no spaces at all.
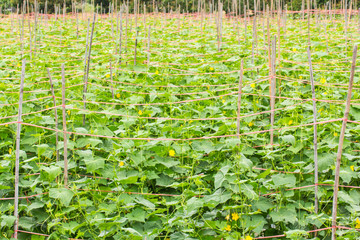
{"x":316,"y":173}
{"x":308,"y":25}
{"x":245,"y":23}
{"x":56,"y":117}
{"x":268,"y":34}
{"x":272,"y":90}
{"x":239,"y":96}
{"x":88,"y":66}
{"x":120,"y":34}
{"x":135,"y":46}
{"x":278,"y":30}
{"x":341,"y":142}
{"x":17,"y":161}
{"x":64,"y":125}
{"x":359,"y":20}
{"x":346,"y":26}
{"x":111,"y":79}
{"x":148,"y":55}
{"x":77,"y":24}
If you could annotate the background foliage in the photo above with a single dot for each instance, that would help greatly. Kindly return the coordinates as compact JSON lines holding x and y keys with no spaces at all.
{"x":190,"y":5}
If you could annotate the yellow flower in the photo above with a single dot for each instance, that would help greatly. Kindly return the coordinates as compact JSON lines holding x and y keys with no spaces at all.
{"x":10,"y":150}
{"x":47,"y":107}
{"x":221,"y":97}
{"x":208,"y":87}
{"x":294,"y":49}
{"x":248,"y":237}
{"x":325,"y":93}
{"x":352,"y":167}
{"x":171,"y":153}
{"x":251,"y":124}
{"x":223,"y":101}
{"x":190,"y":121}
{"x":357,"y":223}
{"x":235,"y":216}
{"x":202,"y":60}
{"x":300,"y":77}
{"x":252,"y":85}
{"x":107,"y":75}
{"x":118,"y":95}
{"x":211,"y":69}
{"x":228,"y":228}
{"x":121,"y":164}
{"x":19,"y":65}
{"x":113,"y":74}
{"x":257,"y":101}
{"x":6,"y":125}
{"x":140,"y":112}
{"x":68,"y":112}
{"x":156,"y":72}
{"x":335,"y":134}
{"x":227,"y":217}
{"x":323,"y":80}
{"x":290,"y":122}
{"x":224,"y":112}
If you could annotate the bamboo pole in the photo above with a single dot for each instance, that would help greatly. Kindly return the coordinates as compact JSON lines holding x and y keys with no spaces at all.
{"x":239,"y":97}
{"x":148,"y":55}
{"x":64,"y":125}
{"x":308,"y":25}
{"x":111,"y":80}
{"x":88,"y":66}
{"x":56,"y":117}
{"x":135,"y":47}
{"x":316,"y":173}
{"x":17,"y":161}
{"x":272,"y":89}
{"x":341,"y":142}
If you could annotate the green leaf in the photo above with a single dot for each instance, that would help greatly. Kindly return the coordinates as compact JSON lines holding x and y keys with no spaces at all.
{"x":52,"y":172}
{"x":220,"y":176}
{"x":288,"y":139}
{"x":63,"y":194}
{"x":264,"y":174}
{"x":137,"y":158}
{"x":263,"y":204}
{"x":284,"y":215}
{"x":41,"y":149}
{"x":93,"y":164}
{"x":35,"y":205}
{"x":216,"y":198}
{"x":284,"y":180}
{"x":137,"y":215}
{"x":7,"y":221}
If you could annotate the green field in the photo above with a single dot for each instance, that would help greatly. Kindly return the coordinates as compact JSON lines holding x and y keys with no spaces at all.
{"x":163,"y":152}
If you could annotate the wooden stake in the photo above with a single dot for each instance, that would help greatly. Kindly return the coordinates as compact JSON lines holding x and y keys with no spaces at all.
{"x":272,"y":89}
{"x":135,"y":47}
{"x":148,"y":55}
{"x":316,"y":174}
{"x":88,"y":66}
{"x":17,"y":161}
{"x":239,"y":96}
{"x":341,"y":142}
{"x":111,"y":79}
{"x":56,"y":117}
{"x":64,"y":125}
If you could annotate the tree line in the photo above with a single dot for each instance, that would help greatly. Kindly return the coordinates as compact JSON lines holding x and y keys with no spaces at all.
{"x":8,"y":6}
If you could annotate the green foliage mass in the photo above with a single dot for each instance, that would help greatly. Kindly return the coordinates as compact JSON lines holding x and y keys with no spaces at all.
{"x":216,"y":188}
